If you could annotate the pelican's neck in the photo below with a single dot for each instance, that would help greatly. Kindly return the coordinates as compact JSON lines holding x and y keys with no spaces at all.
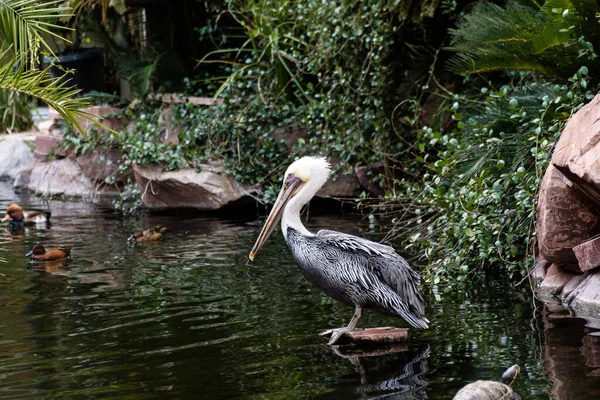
{"x":291,"y":213}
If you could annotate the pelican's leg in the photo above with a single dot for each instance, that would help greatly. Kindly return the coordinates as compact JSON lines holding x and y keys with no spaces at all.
{"x":337,"y":333}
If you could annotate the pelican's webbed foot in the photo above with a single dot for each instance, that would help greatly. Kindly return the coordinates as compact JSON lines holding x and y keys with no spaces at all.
{"x":336,"y":334}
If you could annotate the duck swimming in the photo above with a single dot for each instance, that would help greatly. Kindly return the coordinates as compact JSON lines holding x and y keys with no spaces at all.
{"x":39,"y":253}
{"x":19,"y":218}
{"x":148,"y":235}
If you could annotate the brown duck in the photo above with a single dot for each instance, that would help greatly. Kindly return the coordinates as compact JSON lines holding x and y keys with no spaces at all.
{"x":19,"y":218}
{"x":147,"y":235}
{"x":39,"y":253}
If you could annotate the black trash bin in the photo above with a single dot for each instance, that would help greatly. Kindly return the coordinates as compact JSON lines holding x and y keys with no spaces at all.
{"x":88,"y":66}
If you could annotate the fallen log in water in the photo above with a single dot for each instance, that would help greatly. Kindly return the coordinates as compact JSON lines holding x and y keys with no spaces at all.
{"x":373,"y":336}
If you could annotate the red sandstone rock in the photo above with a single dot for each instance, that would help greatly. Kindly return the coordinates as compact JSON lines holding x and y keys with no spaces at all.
{"x":588,"y":254}
{"x":207,"y":190}
{"x":340,"y":186}
{"x":568,"y":212}
{"x":46,"y":145}
{"x":565,"y":218}
{"x":556,"y":279}
{"x":99,"y":165}
{"x":577,"y":153}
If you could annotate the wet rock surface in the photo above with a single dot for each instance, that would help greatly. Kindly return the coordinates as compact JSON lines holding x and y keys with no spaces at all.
{"x":204,"y":189}
{"x":565,"y":218}
{"x":14,"y":156}
{"x":61,"y":178}
{"x":568,"y":229}
{"x":100,"y":165}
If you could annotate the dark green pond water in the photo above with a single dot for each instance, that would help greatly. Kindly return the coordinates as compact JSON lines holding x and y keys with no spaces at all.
{"x":191,"y":317}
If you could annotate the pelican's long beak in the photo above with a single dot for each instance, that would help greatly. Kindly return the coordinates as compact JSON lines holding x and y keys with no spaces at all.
{"x":287,"y":192}
{"x":6,"y":218}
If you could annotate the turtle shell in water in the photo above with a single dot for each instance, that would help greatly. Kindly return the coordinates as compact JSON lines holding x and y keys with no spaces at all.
{"x":491,"y":390}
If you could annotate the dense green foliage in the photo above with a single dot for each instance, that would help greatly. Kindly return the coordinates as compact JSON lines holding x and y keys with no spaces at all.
{"x":366,"y":83}
{"x":476,"y":205}
{"x":324,"y":69}
{"x":322,"y":66}
{"x":549,"y":39}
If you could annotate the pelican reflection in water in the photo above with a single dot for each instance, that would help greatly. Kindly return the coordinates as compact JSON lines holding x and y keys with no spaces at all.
{"x":353,"y":270}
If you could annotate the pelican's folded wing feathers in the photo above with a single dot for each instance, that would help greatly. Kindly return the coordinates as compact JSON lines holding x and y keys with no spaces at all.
{"x":351,"y":242}
{"x":391,"y":268}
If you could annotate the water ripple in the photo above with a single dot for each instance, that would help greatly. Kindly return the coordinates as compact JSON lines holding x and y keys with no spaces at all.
{"x":190,"y":317}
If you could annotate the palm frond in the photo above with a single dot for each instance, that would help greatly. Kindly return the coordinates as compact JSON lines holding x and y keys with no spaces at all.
{"x":521,"y":38}
{"x":54,"y":92}
{"x":24,"y":22}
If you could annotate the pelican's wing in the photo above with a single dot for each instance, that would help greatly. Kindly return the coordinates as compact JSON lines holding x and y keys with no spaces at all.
{"x":355,"y":243}
{"x":389,"y":266}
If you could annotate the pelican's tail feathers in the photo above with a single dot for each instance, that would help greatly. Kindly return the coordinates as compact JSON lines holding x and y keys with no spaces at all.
{"x":412,"y":319}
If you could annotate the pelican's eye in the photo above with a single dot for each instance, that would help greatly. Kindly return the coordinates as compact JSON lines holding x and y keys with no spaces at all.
{"x":288,"y":180}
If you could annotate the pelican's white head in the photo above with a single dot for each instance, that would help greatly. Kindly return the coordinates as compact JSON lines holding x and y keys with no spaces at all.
{"x":315,"y":170}
{"x":302,"y":180}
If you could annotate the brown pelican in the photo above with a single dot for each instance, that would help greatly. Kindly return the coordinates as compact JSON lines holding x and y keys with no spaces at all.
{"x":353,"y":270}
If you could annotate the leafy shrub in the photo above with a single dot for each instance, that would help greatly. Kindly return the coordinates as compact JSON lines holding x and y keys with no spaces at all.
{"x":475,"y":207}
{"x":325,"y":68}
{"x":475,"y":204}
{"x":467,"y":171}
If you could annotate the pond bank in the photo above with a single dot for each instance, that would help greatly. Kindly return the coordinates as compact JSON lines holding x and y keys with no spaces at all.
{"x":49,"y":168}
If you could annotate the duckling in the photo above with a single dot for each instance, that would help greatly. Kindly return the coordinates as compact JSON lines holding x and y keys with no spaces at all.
{"x":148,"y":235}
{"x":19,"y":218}
{"x":39,"y":253}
